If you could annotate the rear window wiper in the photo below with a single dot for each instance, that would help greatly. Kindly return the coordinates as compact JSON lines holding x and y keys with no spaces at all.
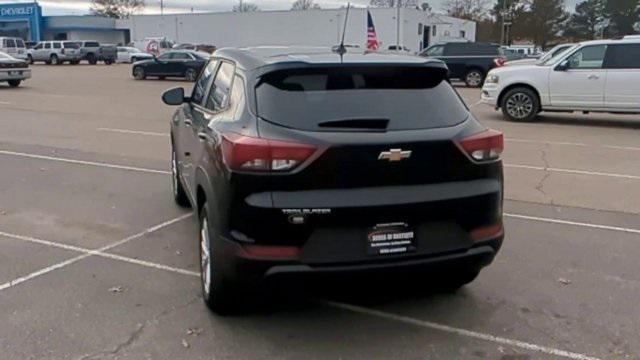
{"x":356,"y":124}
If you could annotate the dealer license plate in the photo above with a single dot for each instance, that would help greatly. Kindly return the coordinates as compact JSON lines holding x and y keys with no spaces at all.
{"x":388,"y":239}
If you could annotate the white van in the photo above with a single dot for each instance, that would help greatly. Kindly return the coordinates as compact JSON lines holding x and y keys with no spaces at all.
{"x":14,"y":47}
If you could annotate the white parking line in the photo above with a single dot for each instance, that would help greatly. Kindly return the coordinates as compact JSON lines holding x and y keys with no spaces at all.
{"x":475,"y":104}
{"x":5,"y":103}
{"x":573,"y":223}
{"x":125,"y":131}
{"x":631,"y":148}
{"x":85,"y":252}
{"x":572,"y":171}
{"x":460,"y":331}
{"x":82,"y":162}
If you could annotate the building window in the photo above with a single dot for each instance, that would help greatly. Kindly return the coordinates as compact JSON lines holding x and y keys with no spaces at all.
{"x":447,"y":33}
{"x":420,"y":29}
{"x":463,"y":34}
{"x":434,"y":31}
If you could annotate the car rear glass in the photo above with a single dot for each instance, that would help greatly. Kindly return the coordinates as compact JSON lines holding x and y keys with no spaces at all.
{"x":91,"y":44}
{"x":71,"y":45}
{"x":471,"y":49}
{"x":407,"y":97}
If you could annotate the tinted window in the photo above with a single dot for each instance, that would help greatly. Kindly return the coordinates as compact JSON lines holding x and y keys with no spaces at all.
{"x":11,"y":43}
{"x":435,"y":50}
{"x":408,"y":97}
{"x":47,"y":45}
{"x":200,"y":88}
{"x":219,"y":94}
{"x":71,"y":45}
{"x":589,"y":57}
{"x":625,"y":56}
{"x":19,"y":43}
{"x":91,"y":44}
{"x":181,"y":56}
{"x":470,"y":49}
{"x":165,"y":56}
{"x":57,"y":45}
{"x":38,"y":47}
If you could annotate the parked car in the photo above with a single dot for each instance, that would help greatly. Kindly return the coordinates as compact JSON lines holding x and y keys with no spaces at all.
{"x":12,"y":70}
{"x":467,"y":61}
{"x":55,"y":52}
{"x":184,"y":47}
{"x":594,"y":76}
{"x":210,"y":49}
{"x":14,"y":47}
{"x":131,"y":55}
{"x":93,"y":52}
{"x":546,"y":56}
{"x":179,"y":63}
{"x":330,"y":164}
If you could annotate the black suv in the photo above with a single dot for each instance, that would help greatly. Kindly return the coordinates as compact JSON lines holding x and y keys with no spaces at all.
{"x":299,"y":160}
{"x":469,"y":62}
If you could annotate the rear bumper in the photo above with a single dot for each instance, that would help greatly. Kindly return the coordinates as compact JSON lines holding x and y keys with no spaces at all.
{"x":242,"y":267}
{"x":8,"y":74}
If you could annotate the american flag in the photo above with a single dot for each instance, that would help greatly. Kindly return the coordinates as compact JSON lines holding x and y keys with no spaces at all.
{"x":372,"y":38}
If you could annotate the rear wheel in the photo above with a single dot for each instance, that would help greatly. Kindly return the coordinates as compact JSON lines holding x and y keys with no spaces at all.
{"x":139,"y":74}
{"x":108,"y":62}
{"x":30,"y":59}
{"x":54,"y":60}
{"x":520,"y":104}
{"x":91,"y":58}
{"x":179,"y":194}
{"x":217,"y":292}
{"x":191,"y":75}
{"x":14,"y":83}
{"x":474,"y":78}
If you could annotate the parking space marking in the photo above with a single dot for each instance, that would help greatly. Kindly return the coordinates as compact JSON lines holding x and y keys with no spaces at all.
{"x":632,"y":148}
{"x":573,"y":223}
{"x":135,"y":132}
{"x":83,"y":162}
{"x":5,"y":103}
{"x":475,"y":104}
{"x":85,"y":254}
{"x":573,"y":171}
{"x":459,"y":331}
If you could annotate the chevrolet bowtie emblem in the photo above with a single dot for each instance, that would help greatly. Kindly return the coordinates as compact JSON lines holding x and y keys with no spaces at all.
{"x":394,"y":155}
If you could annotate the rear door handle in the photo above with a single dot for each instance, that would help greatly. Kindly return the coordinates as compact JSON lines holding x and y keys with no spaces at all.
{"x":593,"y":77}
{"x":203,"y":136}
{"x":188,"y":122}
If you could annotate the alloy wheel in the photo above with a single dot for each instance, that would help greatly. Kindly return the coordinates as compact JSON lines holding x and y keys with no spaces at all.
{"x":474,"y":78}
{"x":519,"y":105}
{"x":205,"y":256}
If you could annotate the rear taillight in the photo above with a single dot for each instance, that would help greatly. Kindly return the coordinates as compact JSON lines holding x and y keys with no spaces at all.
{"x":499,"y":62}
{"x":487,"y":232}
{"x":483,"y":146}
{"x":244,"y":153}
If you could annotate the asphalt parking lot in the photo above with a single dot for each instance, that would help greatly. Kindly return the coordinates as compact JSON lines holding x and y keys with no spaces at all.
{"x":96,"y":261}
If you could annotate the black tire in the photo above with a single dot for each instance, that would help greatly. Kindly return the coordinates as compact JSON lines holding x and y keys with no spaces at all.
{"x":74,"y":62}
{"x":520,"y":104}
{"x":108,"y":62}
{"x":219,"y":294}
{"x":191,"y":75}
{"x":139,"y":73}
{"x":179,"y":194}
{"x":474,"y":78}
{"x":14,"y":83}
{"x":53,"y":60}
{"x":30,"y":59}
{"x":91,"y":58}
{"x":162,"y":77}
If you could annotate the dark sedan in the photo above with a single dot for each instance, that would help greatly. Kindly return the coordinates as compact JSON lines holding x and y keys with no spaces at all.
{"x":12,"y":70}
{"x":184,"y":64}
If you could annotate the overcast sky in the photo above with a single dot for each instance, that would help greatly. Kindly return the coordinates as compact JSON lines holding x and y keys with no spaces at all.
{"x":78,"y":7}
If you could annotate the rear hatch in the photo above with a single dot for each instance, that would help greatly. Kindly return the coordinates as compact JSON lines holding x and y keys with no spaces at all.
{"x":384,"y":157}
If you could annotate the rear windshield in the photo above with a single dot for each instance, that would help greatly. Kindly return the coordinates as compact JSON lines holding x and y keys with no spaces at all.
{"x":401,"y":97}
{"x":71,"y":45}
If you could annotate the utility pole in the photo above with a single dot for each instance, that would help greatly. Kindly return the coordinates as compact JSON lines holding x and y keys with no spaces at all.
{"x":398,"y":24}
{"x":161,"y":7}
{"x":502,"y":29}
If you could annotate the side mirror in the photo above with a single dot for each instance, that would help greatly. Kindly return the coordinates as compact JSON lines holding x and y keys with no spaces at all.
{"x":563,"y":66}
{"x":174,"y":96}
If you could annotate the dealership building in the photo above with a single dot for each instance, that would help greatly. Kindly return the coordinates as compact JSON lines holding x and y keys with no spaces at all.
{"x":415,"y":29}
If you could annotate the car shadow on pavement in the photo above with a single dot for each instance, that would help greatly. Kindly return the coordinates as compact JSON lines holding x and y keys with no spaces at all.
{"x":597,"y":120}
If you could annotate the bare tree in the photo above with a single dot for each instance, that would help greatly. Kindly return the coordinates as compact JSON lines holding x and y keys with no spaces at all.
{"x":118,"y":9}
{"x":245,"y":7}
{"x":394,"y":3}
{"x":425,"y":7}
{"x":304,"y":5}
{"x":466,"y":9}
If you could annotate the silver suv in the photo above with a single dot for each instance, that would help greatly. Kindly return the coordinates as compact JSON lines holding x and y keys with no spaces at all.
{"x":55,"y":52}
{"x":13,"y":47}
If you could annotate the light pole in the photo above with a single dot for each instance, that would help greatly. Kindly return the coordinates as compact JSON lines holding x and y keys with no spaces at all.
{"x":398,"y":24}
